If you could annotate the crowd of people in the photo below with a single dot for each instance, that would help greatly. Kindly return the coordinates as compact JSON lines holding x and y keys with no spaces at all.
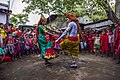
{"x":15,"y":43}
{"x":105,"y":42}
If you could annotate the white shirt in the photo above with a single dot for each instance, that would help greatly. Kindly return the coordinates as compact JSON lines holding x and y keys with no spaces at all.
{"x":110,"y":38}
{"x":97,"y":40}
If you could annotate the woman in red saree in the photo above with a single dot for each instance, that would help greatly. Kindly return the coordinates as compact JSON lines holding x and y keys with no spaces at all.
{"x":117,"y":43}
{"x":104,"y":43}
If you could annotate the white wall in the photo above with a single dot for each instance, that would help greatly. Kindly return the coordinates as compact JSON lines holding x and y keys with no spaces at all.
{"x":2,"y":18}
{"x":3,"y":15}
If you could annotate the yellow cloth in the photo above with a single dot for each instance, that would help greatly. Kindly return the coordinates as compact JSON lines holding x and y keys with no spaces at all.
{"x":71,"y":47}
{"x":2,"y":32}
{"x":78,"y":37}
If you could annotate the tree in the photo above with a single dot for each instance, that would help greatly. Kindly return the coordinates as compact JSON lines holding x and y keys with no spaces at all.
{"x":19,"y":19}
{"x":109,"y":11}
{"x":46,"y":6}
{"x":78,"y":7}
{"x":95,"y":9}
{"x":117,"y":8}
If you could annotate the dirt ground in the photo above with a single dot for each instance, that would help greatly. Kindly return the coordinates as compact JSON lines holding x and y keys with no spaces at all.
{"x":90,"y":67}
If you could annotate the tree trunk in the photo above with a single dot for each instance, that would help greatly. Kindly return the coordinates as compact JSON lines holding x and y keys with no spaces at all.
{"x":117,"y":8}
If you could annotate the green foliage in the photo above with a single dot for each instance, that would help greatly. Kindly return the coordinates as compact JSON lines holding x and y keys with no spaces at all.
{"x":95,"y":9}
{"x":19,"y":19}
{"x":46,"y":6}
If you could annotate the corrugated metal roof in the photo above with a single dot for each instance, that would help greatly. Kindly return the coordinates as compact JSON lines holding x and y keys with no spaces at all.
{"x":3,"y":4}
{"x":5,"y":11}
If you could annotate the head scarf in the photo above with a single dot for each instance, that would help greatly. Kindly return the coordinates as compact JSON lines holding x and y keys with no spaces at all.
{"x":72,"y":17}
{"x":43,"y":18}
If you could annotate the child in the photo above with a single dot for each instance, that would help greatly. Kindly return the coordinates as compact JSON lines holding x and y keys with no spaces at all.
{"x":27,"y":46}
{"x":97,"y":44}
{"x":22,"y":44}
{"x":17,"y":49}
{"x":56,"y":46}
{"x":90,"y":43}
{"x":10,"y":47}
{"x":111,"y":40}
{"x":22,"y":48}
{"x":81,"y":45}
{"x":30,"y":42}
{"x":35,"y":48}
{"x":11,"y":38}
{"x":84,"y":39}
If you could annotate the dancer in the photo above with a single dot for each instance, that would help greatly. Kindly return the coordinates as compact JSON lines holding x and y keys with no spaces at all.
{"x":71,"y":44}
{"x":45,"y":45}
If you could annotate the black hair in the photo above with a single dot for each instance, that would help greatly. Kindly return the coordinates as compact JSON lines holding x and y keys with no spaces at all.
{"x":1,"y":23}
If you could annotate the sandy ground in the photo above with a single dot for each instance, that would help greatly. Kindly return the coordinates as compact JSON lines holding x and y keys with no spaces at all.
{"x":90,"y":67}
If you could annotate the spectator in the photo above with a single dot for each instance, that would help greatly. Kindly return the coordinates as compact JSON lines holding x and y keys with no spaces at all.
{"x":2,"y":54}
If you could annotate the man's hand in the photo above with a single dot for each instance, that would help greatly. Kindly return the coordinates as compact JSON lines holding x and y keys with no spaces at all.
{"x":56,"y":41}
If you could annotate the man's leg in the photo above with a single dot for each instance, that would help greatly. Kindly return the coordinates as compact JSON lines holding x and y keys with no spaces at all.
{"x":73,"y":65}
